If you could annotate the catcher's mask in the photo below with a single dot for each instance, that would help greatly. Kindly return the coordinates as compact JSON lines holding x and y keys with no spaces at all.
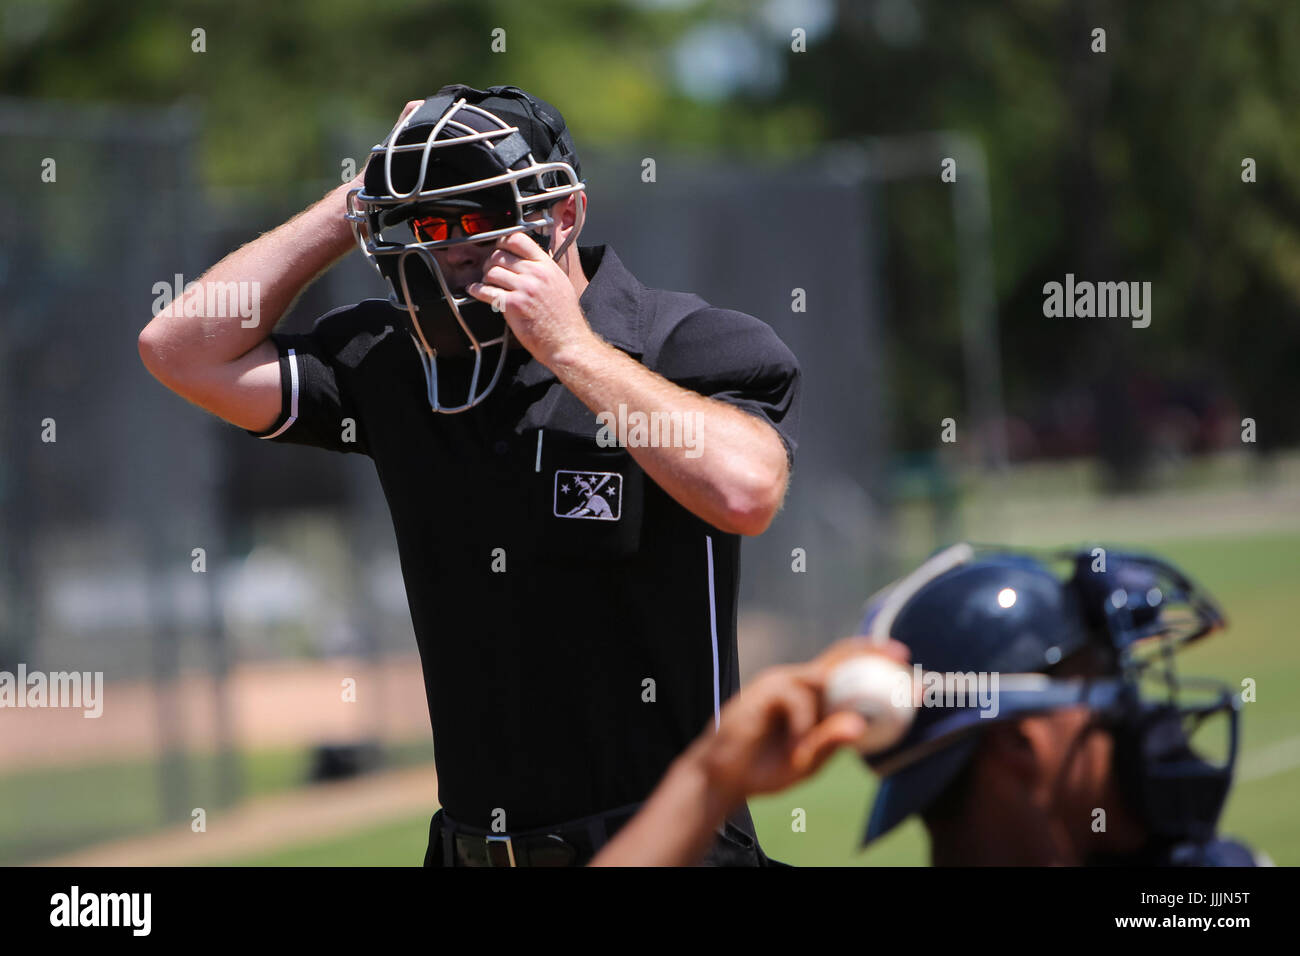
{"x":462,"y":150}
{"x":996,"y":611}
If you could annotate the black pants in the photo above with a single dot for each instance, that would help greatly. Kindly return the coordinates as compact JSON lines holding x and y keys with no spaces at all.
{"x":735,"y":846}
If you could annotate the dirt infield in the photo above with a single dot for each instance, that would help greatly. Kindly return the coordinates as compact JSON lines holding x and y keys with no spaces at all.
{"x":271,"y":704}
{"x":272,"y":823}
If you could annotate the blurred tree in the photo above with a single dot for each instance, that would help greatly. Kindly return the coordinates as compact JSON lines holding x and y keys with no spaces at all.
{"x":1122,"y":165}
{"x":275,"y":80}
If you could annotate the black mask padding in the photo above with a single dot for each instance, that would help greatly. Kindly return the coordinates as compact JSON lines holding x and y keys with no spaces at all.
{"x":1178,"y":795}
{"x":437,"y":322}
{"x":448,"y":166}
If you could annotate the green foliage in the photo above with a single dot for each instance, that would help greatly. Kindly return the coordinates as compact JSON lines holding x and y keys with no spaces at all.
{"x":1123,"y":165}
{"x":278,"y":82}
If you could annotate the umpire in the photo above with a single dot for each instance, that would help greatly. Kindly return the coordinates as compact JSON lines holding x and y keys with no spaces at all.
{"x":569,"y":459}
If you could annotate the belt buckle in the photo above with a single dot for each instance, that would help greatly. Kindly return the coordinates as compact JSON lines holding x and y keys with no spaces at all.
{"x":490,"y":840}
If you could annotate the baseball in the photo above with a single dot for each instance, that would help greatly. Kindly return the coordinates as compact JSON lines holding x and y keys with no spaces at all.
{"x":879,"y":689}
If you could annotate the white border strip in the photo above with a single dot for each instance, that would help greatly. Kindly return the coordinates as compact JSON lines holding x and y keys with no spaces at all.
{"x":293,"y":396}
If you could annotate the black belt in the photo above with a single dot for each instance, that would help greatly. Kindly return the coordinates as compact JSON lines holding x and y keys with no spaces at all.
{"x":567,"y":844}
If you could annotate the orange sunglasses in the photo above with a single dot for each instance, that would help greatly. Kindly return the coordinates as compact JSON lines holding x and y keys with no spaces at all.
{"x":438,"y":228}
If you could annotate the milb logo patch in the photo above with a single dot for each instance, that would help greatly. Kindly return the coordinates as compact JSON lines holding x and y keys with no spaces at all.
{"x":597,"y":495}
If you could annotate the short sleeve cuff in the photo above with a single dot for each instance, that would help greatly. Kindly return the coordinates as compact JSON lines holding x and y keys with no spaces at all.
{"x":290,"y":389}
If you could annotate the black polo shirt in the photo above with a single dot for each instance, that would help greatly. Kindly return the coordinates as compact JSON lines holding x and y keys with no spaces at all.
{"x":537,"y":656}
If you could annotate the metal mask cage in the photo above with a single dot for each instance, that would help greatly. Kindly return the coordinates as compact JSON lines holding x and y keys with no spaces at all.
{"x":1145,"y":636}
{"x":1207,"y":711}
{"x":391,"y":258}
{"x":1139,"y":598}
{"x":1148,"y":608}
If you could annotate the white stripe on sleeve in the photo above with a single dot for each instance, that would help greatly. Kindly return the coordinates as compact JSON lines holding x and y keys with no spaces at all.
{"x":293,"y":396}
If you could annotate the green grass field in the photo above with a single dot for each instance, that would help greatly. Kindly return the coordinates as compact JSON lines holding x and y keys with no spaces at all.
{"x":47,"y":812}
{"x":52,"y":811}
{"x":395,"y":843}
{"x":1254,"y":577}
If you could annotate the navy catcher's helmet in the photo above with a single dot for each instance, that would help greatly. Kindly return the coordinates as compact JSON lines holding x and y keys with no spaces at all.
{"x":1008,"y":615}
{"x":500,"y":149}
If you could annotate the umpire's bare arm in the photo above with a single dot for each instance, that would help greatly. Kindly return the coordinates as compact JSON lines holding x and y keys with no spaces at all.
{"x":738,"y":481}
{"x":213,"y":360}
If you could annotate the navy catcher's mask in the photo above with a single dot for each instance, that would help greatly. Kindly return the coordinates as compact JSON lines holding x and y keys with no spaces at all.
{"x":1007,"y":613}
{"x":461,"y":149}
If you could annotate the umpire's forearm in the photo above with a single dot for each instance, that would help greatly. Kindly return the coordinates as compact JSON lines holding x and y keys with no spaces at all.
{"x":735,"y":475}
{"x":677,"y":825}
{"x":278,"y":265}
